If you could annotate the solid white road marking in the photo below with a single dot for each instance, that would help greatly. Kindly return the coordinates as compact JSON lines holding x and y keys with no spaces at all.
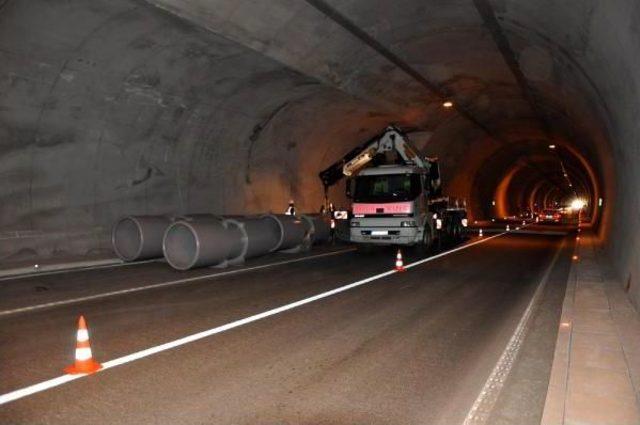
{"x":45,"y":385}
{"x":483,"y":405}
{"x":164,"y":284}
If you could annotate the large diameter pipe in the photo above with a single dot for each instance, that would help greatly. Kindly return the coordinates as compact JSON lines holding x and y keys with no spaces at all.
{"x":139,"y":237}
{"x":269,"y":233}
{"x":198,"y":216}
{"x":260,"y":235}
{"x":318,"y":228}
{"x":202,"y":241}
{"x":293,"y":232}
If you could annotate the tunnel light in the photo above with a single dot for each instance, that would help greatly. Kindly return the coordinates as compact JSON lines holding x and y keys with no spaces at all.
{"x":552,"y":146}
{"x":577,"y":204}
{"x":447,"y":104}
{"x":599,"y":202}
{"x":493,"y":203}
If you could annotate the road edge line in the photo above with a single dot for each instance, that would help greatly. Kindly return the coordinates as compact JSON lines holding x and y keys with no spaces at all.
{"x":482,"y":407}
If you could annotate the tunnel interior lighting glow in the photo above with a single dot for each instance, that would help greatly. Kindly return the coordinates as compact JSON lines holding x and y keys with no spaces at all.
{"x":599,"y":202}
{"x":447,"y":104}
{"x":577,"y":204}
{"x":552,"y":146}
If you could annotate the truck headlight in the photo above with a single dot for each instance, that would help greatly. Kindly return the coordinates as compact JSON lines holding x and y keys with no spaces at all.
{"x":410,"y":223}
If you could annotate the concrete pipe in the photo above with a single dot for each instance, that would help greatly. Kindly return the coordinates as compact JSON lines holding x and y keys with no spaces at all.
{"x":199,"y":242}
{"x":318,"y":228}
{"x":199,"y":216}
{"x":139,"y":237}
{"x":260,"y":235}
{"x":292,"y":232}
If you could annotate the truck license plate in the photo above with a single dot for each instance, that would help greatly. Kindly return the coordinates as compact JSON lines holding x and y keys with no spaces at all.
{"x":379,"y":233}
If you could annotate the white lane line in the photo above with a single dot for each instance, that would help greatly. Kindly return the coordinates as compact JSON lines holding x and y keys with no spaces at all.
{"x":164,"y":284}
{"x":45,"y":385}
{"x":484,"y":404}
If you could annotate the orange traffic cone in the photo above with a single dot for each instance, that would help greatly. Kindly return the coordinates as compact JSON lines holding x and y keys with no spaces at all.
{"x":84,"y":359}
{"x":399,"y":262}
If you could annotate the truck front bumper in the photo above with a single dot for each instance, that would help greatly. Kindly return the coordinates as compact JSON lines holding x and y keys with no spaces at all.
{"x":385,"y":236}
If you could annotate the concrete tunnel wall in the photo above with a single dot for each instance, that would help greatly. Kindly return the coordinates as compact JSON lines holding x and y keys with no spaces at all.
{"x":173,"y":106}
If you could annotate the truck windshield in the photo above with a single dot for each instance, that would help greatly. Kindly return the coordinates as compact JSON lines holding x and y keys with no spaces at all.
{"x":387,"y":188}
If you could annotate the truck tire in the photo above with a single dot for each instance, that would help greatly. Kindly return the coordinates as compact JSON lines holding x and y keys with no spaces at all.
{"x":426,"y":242}
{"x":457,"y":230}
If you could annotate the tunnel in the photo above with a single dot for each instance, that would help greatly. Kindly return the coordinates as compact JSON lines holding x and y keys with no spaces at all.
{"x":116,"y":108}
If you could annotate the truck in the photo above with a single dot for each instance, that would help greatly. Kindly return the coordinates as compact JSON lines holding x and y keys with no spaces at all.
{"x":396,"y":194}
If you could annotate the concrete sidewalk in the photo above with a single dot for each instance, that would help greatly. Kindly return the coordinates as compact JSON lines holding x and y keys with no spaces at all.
{"x":595,"y":378}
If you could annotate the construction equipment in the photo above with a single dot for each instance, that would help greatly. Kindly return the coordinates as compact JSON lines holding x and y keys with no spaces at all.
{"x":396,"y":193}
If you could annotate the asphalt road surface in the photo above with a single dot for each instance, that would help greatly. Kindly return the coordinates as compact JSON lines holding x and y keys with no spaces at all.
{"x":407,"y":348}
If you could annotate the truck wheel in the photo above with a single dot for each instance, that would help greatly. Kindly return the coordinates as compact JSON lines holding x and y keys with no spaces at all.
{"x":456,"y":230}
{"x":427,"y":239}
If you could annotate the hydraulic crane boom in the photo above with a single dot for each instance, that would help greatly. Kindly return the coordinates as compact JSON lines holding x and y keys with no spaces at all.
{"x":392,"y":139}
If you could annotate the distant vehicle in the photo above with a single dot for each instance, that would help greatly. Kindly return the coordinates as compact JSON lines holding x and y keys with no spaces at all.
{"x":550,"y":216}
{"x":526,"y":214}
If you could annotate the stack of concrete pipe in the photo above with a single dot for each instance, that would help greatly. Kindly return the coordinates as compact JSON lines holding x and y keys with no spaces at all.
{"x":207,"y":240}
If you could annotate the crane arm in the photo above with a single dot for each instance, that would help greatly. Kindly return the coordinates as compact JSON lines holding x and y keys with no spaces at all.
{"x":389,"y":140}
{"x":392,"y":139}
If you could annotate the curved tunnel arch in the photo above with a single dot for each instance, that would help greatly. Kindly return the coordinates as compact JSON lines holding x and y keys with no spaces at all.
{"x":164,"y":106}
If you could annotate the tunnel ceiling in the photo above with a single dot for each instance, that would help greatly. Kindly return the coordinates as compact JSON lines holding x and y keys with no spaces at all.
{"x":173,"y":106}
